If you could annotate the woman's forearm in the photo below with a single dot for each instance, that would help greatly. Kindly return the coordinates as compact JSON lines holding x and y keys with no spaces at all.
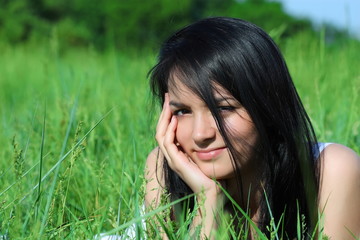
{"x":209,"y":206}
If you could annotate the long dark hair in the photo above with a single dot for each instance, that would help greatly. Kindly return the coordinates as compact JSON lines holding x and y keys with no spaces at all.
{"x":244,"y":60}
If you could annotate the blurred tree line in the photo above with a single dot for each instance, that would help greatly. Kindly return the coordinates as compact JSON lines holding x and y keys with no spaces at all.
{"x":128,"y":23}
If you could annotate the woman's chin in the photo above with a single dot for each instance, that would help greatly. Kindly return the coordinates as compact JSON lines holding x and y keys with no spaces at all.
{"x":218,"y":175}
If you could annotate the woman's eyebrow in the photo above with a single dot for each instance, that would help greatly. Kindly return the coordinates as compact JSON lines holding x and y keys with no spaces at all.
{"x":218,"y":100}
{"x":177,"y":104}
{"x":224,"y":99}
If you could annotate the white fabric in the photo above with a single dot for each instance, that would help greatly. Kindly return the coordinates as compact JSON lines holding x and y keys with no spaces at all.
{"x":130,"y":232}
{"x":320,"y":147}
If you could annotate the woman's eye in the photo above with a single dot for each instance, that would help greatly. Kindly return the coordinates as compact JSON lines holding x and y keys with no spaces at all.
{"x":180,"y":112}
{"x":226,"y":108}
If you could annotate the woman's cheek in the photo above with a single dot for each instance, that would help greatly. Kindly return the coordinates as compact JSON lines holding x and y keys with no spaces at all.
{"x":242,"y":128}
{"x":183,"y":132}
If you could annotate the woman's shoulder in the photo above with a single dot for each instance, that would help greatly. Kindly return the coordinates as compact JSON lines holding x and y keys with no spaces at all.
{"x":155,"y":181}
{"x":340,"y":165}
{"x":340,"y":191}
{"x":340,"y":160}
{"x":154,"y":158}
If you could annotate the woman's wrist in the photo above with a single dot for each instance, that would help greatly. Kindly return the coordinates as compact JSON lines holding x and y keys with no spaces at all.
{"x":211,"y":196}
{"x":210,"y":203}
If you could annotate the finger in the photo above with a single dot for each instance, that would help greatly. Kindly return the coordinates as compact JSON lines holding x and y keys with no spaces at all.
{"x":164,"y":105}
{"x":164,"y":118}
{"x":162,"y":110}
{"x":163,"y":122}
{"x":170,"y":132}
{"x":176,"y":154}
{"x":177,"y":159}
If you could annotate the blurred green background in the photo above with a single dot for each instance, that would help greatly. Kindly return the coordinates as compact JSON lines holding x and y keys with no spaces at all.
{"x":128,"y":24}
{"x":65,"y":65}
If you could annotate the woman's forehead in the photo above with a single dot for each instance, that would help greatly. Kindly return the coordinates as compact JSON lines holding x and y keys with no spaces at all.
{"x":177,"y":88}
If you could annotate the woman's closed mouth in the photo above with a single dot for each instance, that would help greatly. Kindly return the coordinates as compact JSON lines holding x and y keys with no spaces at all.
{"x":209,"y":154}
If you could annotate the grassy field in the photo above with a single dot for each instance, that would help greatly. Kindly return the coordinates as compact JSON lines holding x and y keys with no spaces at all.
{"x":76,"y":127}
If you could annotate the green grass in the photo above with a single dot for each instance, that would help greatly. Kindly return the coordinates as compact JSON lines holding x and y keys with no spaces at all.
{"x":76,"y":127}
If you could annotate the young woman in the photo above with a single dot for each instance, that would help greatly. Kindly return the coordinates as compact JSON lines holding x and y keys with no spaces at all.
{"x":231,"y":117}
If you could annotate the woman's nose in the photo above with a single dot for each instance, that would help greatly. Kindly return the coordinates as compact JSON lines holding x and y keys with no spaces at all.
{"x":204,"y":130}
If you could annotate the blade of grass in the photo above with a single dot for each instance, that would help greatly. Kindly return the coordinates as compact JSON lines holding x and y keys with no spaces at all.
{"x":37,"y":201}
{"x":52,"y":188}
{"x":352,"y":234}
{"x":27,"y":144}
{"x":298,"y":225}
{"x":271,"y":215}
{"x":67,"y":154}
{"x":26,"y":173}
{"x":257,"y":230}
{"x":147,"y":215}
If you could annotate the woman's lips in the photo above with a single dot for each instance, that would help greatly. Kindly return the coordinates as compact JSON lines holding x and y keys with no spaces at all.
{"x":209,"y":154}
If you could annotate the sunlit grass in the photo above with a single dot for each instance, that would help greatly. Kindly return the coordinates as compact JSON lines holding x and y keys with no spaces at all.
{"x":94,"y":110}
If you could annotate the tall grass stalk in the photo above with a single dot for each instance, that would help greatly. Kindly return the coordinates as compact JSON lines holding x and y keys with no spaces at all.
{"x":63,"y":148}
{"x":37,"y":201}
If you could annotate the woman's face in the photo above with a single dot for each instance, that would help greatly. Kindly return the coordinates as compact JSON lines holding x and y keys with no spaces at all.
{"x":197,"y":133}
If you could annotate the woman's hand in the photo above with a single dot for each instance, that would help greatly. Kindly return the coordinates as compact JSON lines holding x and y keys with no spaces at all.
{"x":177,"y":160}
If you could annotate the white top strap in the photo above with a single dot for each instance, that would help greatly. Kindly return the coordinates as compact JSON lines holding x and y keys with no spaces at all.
{"x":319,"y":148}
